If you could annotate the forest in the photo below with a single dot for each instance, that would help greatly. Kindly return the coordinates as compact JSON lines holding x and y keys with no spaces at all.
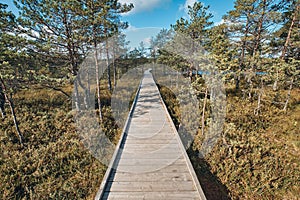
{"x":256,"y":49}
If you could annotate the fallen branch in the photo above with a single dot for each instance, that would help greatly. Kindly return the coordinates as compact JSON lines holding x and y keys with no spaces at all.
{"x":57,"y":89}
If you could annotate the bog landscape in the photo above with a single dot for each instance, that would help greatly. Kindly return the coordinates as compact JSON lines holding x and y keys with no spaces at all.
{"x":76,"y":96}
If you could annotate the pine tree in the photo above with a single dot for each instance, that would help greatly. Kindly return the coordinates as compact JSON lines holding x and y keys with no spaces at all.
{"x":103,"y":18}
{"x":119,"y":52}
{"x":53,"y":25}
{"x":9,"y":54}
{"x":250,"y":24}
{"x":289,"y":33}
{"x":221,"y":49}
{"x":196,"y":27}
{"x":285,"y":41}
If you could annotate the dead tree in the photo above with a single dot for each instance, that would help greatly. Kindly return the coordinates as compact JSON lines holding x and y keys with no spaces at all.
{"x":9,"y":101}
{"x":2,"y":103}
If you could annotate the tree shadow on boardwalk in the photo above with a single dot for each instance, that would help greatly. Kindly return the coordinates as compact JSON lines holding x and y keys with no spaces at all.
{"x":210,"y":183}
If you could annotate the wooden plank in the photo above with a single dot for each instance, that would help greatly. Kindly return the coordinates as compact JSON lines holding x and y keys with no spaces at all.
{"x":149,"y":125}
{"x":170,"y":149}
{"x":154,"y":176}
{"x":167,"y":186}
{"x":151,"y":141}
{"x":151,"y":149}
{"x":152,"y":128}
{"x":183,"y":195}
{"x":152,"y":136}
{"x":151,"y":161}
{"x":151,"y":146}
{"x":154,"y":155}
{"x":153,"y":168}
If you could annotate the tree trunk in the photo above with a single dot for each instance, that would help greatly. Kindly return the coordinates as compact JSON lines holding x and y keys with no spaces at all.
{"x":256,"y":111}
{"x":88,"y":90}
{"x":114,"y":66}
{"x":72,"y":60}
{"x":70,"y":45}
{"x":286,"y":44}
{"x":275,"y":85}
{"x":85,"y":97}
{"x":203,"y":112}
{"x":98,"y":83}
{"x":260,"y":28}
{"x":108,"y":67}
{"x":76,"y":96}
{"x":11,"y":105}
{"x":289,"y":95}
{"x":2,"y":103}
{"x":242,"y":58}
{"x":287,"y":41}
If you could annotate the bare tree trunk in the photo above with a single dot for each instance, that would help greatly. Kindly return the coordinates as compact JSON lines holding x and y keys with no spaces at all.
{"x":256,"y":111}
{"x":177,"y":77}
{"x":98,"y":83}
{"x":11,"y":105}
{"x":287,"y":41}
{"x":286,"y":44}
{"x":115,"y":69}
{"x":249,"y":81}
{"x":237,"y":78}
{"x":275,"y":85}
{"x":108,"y":67}
{"x":260,"y":28}
{"x":76,"y":96}
{"x":86,"y":96}
{"x":70,"y":44}
{"x":2,"y":103}
{"x":2,"y":110}
{"x":242,"y":58}
{"x":289,"y":95}
{"x":88,"y":90}
{"x":203,"y":112}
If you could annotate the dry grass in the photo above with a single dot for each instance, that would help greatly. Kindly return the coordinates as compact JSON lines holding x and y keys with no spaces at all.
{"x":257,"y":156}
{"x":53,"y":164}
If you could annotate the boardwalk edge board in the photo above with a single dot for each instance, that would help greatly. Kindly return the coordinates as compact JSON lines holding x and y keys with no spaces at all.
{"x":113,"y":161}
{"x":185,"y":155}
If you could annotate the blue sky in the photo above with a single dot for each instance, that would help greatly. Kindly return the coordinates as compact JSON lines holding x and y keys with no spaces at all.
{"x":150,"y":16}
{"x":162,"y":13}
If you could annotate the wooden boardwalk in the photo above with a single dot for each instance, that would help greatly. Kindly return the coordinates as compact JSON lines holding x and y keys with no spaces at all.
{"x":150,"y":161}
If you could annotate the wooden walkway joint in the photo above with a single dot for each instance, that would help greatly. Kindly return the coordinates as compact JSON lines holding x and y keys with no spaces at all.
{"x":150,"y":161}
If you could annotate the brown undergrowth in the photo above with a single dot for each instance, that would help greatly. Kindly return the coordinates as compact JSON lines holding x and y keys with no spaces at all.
{"x":257,"y":156}
{"x":53,"y":164}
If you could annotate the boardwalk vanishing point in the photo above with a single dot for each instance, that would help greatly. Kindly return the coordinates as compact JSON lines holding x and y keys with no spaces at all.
{"x":150,"y":161}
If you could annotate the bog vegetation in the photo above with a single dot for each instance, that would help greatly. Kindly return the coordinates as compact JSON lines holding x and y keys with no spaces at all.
{"x":256,"y":48}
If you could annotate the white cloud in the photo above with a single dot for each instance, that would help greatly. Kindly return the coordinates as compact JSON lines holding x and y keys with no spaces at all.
{"x":184,"y":7}
{"x":225,"y":22}
{"x":147,"y":41}
{"x":144,"y":5}
{"x":220,"y":22}
{"x":136,"y":35}
{"x":131,"y":28}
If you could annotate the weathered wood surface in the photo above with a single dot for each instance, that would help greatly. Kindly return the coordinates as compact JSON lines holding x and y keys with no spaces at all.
{"x":151,"y":162}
